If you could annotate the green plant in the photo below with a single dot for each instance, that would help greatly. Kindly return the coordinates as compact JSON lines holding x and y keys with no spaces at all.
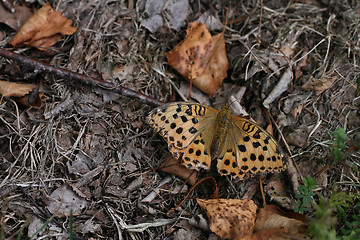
{"x":305,"y":197}
{"x":338,"y":146}
{"x":323,"y":225}
{"x":328,"y":214}
{"x":351,"y":228}
{"x":338,"y":216}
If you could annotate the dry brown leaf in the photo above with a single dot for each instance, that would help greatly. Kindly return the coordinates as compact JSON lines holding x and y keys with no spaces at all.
{"x":173,"y":166}
{"x":276,"y":189}
{"x":230,"y":218}
{"x":21,"y":92}
{"x":319,"y":85}
{"x":201,"y":58}
{"x":272,"y":217}
{"x":271,"y":234}
{"x":43,"y":29}
{"x":11,"y":89}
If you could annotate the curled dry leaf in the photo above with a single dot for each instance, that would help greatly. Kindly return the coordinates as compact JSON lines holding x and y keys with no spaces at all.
{"x":230,"y":218}
{"x":272,"y":217}
{"x":43,"y":29}
{"x":173,"y":166}
{"x":201,"y":58}
{"x":276,"y":189}
{"x":29,"y":102}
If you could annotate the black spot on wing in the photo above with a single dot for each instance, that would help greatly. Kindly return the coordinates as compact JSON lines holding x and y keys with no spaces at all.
{"x":179,"y":130}
{"x":184,"y":119}
{"x":192,"y":130}
{"x":242,"y":148}
{"x":257,"y":134}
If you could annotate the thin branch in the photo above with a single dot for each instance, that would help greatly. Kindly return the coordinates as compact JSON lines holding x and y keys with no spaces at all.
{"x":64,"y":73}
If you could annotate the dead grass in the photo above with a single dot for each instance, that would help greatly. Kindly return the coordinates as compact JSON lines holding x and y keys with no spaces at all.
{"x":98,"y":144}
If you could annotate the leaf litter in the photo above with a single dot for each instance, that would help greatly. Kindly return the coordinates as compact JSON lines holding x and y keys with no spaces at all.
{"x":79,"y":135}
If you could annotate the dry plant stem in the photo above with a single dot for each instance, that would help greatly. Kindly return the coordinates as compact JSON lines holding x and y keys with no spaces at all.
{"x":37,"y":65}
{"x":262,"y":192}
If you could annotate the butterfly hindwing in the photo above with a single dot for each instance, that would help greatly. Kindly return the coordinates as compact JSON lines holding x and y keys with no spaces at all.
{"x":258,"y":150}
{"x":227,"y":160}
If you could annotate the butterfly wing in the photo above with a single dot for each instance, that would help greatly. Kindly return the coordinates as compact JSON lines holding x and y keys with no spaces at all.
{"x":249,"y":149}
{"x":188,"y":128}
{"x":227,"y":158}
{"x":256,"y":150}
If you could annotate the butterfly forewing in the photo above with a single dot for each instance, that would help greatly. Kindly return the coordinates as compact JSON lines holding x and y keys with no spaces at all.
{"x":187,"y":129}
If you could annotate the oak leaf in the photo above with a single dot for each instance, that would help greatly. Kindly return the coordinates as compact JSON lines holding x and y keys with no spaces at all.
{"x":43,"y":29}
{"x":230,"y":218}
{"x":200,"y":58}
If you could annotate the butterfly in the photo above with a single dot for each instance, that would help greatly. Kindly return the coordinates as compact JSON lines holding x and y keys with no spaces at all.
{"x":201,"y":134}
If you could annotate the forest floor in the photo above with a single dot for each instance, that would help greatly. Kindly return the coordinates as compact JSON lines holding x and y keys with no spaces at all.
{"x":293,"y":67}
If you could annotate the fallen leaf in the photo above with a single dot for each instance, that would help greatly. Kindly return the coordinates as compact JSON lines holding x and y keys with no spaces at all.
{"x":196,"y":94}
{"x":200,"y":58}
{"x":90,"y":226}
{"x":17,"y":19}
{"x":272,"y":217}
{"x":11,"y":89}
{"x":276,"y":190}
{"x":173,"y":166}
{"x":63,"y":199}
{"x":299,"y":137}
{"x":310,"y":167}
{"x":22,"y":93}
{"x":212,"y":23}
{"x":319,"y":85}
{"x":43,"y":29}
{"x":230,"y":218}
{"x":280,"y":88}
{"x":271,"y":234}
{"x":175,"y":13}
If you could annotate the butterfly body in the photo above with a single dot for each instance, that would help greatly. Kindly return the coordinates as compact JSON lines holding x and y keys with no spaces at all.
{"x":201,"y":134}
{"x":223,"y":119}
